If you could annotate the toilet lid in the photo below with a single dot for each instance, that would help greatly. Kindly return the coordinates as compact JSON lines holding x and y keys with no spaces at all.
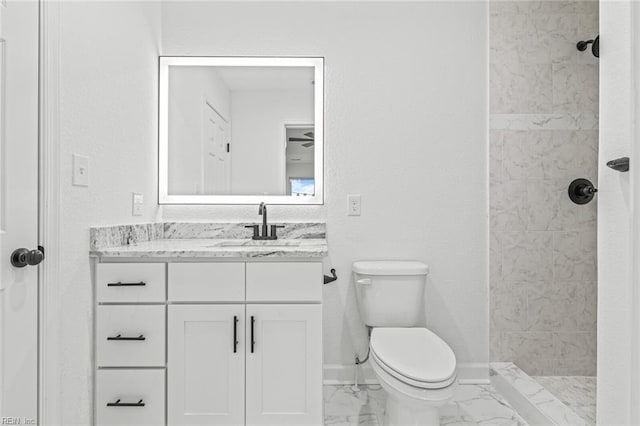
{"x":415,"y":353}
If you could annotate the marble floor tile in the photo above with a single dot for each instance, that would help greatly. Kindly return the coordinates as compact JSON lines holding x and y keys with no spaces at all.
{"x":471,"y":405}
{"x":576,"y":392}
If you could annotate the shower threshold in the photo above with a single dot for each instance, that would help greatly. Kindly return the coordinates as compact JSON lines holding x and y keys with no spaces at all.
{"x":535,"y":402}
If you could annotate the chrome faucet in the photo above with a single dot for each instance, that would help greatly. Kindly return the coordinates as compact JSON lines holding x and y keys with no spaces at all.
{"x":262,"y":211}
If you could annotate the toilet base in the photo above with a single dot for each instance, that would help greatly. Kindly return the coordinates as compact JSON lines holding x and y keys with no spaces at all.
{"x":402,"y":414}
{"x":408,"y":405}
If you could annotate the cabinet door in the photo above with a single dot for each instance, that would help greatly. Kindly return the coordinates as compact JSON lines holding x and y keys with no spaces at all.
{"x":205,"y":367}
{"x":284,"y":365}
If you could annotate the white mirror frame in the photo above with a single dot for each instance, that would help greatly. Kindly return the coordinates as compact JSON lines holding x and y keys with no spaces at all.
{"x":163,"y":137}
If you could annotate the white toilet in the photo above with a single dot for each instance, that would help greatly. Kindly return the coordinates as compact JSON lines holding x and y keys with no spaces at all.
{"x":416,"y":368}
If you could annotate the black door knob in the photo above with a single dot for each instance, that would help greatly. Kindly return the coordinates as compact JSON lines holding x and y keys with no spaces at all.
{"x":22,"y":257}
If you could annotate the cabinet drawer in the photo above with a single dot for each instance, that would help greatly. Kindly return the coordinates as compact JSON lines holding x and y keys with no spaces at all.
{"x":144,"y":389}
{"x":141,"y":331}
{"x":130,"y":282}
{"x":206,"y":282}
{"x":282,"y":281}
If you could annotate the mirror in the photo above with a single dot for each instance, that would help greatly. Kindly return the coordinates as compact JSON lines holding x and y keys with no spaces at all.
{"x":240,"y":130}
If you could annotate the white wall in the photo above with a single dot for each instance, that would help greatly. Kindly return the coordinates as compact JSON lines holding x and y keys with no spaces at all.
{"x":108,"y":111}
{"x":258,"y":137}
{"x":406,"y":102}
{"x":189,"y":89}
{"x":615,"y":287}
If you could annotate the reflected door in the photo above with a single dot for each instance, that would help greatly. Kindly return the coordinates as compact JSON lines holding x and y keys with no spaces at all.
{"x":216,"y":155}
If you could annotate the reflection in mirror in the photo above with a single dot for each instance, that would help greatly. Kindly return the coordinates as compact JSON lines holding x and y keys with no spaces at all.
{"x":239,"y":130}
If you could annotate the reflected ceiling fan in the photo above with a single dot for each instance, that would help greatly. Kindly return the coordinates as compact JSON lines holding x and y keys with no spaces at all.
{"x":309,"y":140}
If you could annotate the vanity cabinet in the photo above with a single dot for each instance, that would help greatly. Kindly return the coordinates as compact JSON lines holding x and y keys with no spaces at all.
{"x":284,"y":365}
{"x":206,"y":365}
{"x":238,"y":343}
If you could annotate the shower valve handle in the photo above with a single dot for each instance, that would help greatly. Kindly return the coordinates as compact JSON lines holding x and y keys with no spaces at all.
{"x":587,"y":190}
{"x":581,"y":191}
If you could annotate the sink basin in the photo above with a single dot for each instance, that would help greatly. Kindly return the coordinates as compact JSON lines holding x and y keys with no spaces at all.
{"x":258,"y":243}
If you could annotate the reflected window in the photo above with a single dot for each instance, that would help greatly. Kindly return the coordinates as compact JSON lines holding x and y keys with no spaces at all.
{"x":302,"y":186}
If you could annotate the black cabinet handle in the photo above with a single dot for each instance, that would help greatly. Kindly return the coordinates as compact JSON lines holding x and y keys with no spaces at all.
{"x":253,"y":342}
{"x":126,"y":404}
{"x":235,"y":334}
{"x":119,"y":284}
{"x":119,"y":337}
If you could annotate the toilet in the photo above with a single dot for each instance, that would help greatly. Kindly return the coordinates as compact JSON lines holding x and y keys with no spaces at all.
{"x":416,"y":368}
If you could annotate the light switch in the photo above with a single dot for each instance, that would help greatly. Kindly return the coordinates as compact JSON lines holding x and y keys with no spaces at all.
{"x":80,"y":175}
{"x":137,"y":202}
{"x":353,"y":205}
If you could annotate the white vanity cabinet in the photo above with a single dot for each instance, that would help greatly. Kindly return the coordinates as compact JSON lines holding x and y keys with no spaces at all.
{"x":206,"y":365}
{"x":284,"y":364}
{"x":238,"y":343}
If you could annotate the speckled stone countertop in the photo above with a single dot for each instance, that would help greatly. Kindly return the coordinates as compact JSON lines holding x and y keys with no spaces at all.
{"x":205,"y":240}
{"x":214,"y":248}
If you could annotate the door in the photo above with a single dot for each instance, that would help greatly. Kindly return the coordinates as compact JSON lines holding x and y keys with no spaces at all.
{"x":216,"y":155}
{"x":205,"y":365}
{"x":18,"y":209}
{"x":284,"y":365}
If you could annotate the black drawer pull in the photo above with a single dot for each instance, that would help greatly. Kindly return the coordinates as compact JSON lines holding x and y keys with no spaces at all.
{"x":119,"y":284}
{"x":235,"y":334}
{"x":125,"y":404}
{"x":253,"y":340}
{"x":119,"y":337}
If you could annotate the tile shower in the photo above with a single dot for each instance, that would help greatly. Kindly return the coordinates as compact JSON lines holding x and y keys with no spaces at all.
{"x":543,"y":134}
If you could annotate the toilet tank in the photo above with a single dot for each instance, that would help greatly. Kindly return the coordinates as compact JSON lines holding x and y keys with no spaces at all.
{"x":390,"y":292}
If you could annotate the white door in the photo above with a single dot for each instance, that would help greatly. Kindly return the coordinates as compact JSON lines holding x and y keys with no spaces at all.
{"x":284,"y":365}
{"x":205,"y":365}
{"x":18,"y":208}
{"x":216,"y":155}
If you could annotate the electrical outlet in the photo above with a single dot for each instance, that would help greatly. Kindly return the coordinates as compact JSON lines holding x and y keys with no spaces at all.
{"x":137,"y":202}
{"x":353,"y":205}
{"x":80,"y":175}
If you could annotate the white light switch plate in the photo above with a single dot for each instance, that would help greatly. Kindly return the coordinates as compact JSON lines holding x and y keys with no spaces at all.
{"x":353,"y":205}
{"x":80,"y":176}
{"x":137,"y":203}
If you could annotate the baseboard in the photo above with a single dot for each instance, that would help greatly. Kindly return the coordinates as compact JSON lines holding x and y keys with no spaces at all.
{"x":340,"y":374}
{"x":472,"y":373}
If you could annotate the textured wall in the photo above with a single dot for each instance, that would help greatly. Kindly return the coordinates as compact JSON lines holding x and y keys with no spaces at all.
{"x":544,"y":120}
{"x":405,"y":125}
{"x":108,"y":109}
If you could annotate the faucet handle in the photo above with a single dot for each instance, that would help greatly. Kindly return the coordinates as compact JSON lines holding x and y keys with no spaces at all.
{"x":256,"y":232}
{"x":274,"y":230}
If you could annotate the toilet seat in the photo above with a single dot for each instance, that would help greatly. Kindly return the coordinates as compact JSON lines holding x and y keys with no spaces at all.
{"x":415,"y":356}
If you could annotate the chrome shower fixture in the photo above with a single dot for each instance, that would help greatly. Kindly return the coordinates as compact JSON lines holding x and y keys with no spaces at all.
{"x":595,"y":46}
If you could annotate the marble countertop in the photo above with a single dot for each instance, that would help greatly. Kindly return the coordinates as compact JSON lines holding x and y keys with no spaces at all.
{"x":216,"y":248}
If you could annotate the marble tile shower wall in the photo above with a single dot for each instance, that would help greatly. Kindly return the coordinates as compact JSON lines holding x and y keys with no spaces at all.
{"x":544,"y":121}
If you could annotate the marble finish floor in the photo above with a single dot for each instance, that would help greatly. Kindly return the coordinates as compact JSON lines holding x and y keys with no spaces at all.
{"x":576,"y":392}
{"x":471,"y":405}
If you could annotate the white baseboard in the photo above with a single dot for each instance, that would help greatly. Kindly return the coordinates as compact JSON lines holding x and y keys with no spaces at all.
{"x":339,"y":374}
{"x":472,"y":373}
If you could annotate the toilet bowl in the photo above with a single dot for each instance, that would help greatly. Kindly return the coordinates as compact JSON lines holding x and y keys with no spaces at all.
{"x":416,"y":368}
